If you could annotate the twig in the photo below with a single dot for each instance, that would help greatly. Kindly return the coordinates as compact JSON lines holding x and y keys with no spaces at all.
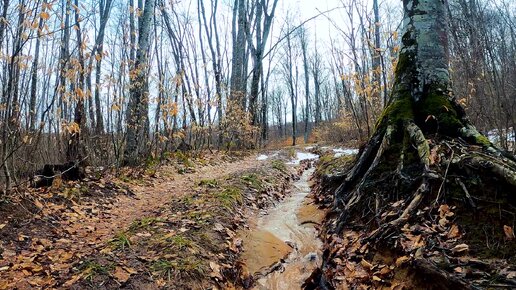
{"x":463,"y":186}
{"x":445,"y":175}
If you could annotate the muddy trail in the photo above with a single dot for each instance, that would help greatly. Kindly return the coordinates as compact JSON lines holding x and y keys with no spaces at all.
{"x":53,"y":242}
{"x":282,"y":247}
{"x":199,"y":223}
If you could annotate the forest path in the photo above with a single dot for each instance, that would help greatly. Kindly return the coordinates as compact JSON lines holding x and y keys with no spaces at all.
{"x":44,"y":251}
{"x":150,"y":199}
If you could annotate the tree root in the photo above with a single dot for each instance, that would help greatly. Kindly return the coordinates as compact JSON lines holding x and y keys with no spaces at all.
{"x":362,"y":164}
{"x":419,"y":141}
{"x":466,"y":192}
{"x":497,"y":168}
{"x":386,"y":230}
{"x":471,"y":134}
{"x":356,"y":193}
{"x":439,"y":277}
{"x":353,"y":198}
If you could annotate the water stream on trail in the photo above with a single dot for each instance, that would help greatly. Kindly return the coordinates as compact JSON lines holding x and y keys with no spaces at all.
{"x":282,"y":247}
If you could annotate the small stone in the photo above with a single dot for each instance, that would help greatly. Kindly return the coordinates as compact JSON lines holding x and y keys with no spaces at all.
{"x":311,"y":257}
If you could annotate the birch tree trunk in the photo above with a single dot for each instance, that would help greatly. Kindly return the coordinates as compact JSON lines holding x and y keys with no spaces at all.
{"x":304,"y":48}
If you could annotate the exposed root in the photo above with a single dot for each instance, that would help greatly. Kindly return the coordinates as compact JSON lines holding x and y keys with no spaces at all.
{"x":497,"y":168}
{"x":419,"y":141}
{"x":352,"y":199}
{"x":361,"y":165}
{"x":440,"y":278}
{"x":471,"y":134}
{"x":409,"y":209}
{"x":466,"y":192}
{"x":387,"y":229}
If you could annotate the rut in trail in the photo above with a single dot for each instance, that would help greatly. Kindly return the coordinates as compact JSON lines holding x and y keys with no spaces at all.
{"x":282,"y":247}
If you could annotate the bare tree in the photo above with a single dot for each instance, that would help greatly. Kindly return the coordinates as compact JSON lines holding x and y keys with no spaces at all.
{"x":303,"y":39}
{"x":137,"y":109}
{"x":258,"y":50}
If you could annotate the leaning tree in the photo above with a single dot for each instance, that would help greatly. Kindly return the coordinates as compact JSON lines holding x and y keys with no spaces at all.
{"x":424,"y":152}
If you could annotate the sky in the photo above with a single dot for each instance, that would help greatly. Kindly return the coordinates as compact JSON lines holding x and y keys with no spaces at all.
{"x":321,"y":26}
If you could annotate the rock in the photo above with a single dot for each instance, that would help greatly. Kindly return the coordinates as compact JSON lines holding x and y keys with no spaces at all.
{"x":311,"y":257}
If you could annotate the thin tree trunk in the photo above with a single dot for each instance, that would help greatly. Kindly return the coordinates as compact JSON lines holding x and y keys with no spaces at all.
{"x":138,"y":105}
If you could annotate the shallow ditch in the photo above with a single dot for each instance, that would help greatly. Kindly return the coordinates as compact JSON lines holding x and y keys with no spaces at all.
{"x":282,"y":247}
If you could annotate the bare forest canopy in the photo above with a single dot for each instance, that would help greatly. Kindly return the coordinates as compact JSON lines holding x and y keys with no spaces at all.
{"x":112,"y":82}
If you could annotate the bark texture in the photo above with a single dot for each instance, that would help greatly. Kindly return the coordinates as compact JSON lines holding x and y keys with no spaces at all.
{"x":138,"y":104}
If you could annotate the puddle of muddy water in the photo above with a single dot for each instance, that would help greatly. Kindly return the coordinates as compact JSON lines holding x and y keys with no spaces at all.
{"x":286,"y":238}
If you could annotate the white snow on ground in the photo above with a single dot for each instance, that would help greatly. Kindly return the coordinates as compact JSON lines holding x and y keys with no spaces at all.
{"x":300,"y":156}
{"x":262,"y":157}
{"x":344,"y":151}
{"x":494,"y":135}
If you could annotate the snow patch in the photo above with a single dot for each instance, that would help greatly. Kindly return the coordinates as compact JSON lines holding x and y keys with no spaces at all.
{"x":262,"y":157}
{"x":300,"y":156}
{"x":494,"y":135}
{"x":344,"y":151}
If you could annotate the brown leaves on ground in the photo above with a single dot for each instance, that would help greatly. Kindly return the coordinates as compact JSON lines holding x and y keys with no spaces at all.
{"x":434,"y":233}
{"x":190,"y":239}
{"x":48,"y":234}
{"x":439,"y":241}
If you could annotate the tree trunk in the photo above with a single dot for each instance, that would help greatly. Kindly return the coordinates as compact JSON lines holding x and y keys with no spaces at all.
{"x":75,"y":151}
{"x":399,"y":163}
{"x":137,"y":109}
{"x":238,"y":77}
{"x":304,"y":48}
{"x":31,"y":126}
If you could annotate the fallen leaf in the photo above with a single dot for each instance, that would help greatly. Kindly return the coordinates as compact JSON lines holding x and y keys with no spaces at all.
{"x":454,"y":232}
{"x":215,"y":270}
{"x":401,"y":260}
{"x":218,"y":227}
{"x":38,"y":204}
{"x":445,"y":211}
{"x":460,"y":248}
{"x":121,"y":275}
{"x":509,"y":232}
{"x":384,"y":271}
{"x":366,"y":264}
{"x":434,"y":155}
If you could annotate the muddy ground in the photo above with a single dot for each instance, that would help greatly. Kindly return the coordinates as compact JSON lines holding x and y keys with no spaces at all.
{"x":178,"y":225}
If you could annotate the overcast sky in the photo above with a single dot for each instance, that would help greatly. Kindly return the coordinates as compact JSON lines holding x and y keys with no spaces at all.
{"x":321,"y":26}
